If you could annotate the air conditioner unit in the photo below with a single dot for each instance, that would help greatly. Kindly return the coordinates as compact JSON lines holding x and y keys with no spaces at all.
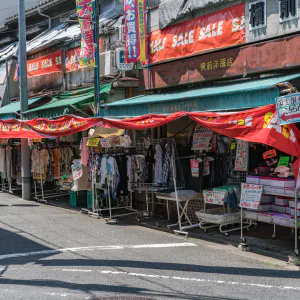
{"x":107,"y":64}
{"x":122,"y":36}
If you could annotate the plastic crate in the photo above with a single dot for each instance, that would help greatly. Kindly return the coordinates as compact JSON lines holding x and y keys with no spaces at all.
{"x":78,"y":199}
{"x":89,"y":200}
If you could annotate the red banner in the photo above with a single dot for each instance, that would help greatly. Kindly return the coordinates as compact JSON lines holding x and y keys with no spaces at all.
{"x":73,"y":57}
{"x":44,"y":128}
{"x":256,"y":125}
{"x":217,"y":30}
{"x":85,"y":13}
{"x":135,"y":26}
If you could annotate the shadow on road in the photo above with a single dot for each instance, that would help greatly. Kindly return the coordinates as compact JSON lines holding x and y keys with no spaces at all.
{"x":103,"y":288}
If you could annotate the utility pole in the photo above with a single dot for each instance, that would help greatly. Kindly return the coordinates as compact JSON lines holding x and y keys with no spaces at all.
{"x":97,"y":55}
{"x":25,"y":152}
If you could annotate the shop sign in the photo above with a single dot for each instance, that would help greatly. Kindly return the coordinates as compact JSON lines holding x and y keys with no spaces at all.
{"x":217,"y":30}
{"x":73,"y":58}
{"x":93,"y":142}
{"x":47,"y":64}
{"x":283,"y":161}
{"x":261,"y":57}
{"x":77,"y":170}
{"x":241,"y":159}
{"x":214,"y":196}
{"x":269,"y":154}
{"x":251,"y":195}
{"x":135,"y":25}
{"x":85,"y":13}
{"x":288,"y":108}
{"x":194,"y":167}
{"x":105,"y":142}
{"x":121,"y":62}
{"x":201,"y":138}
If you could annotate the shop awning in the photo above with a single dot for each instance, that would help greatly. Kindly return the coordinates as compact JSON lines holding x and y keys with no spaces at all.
{"x":66,"y":103}
{"x":11,"y":110}
{"x":235,"y":96}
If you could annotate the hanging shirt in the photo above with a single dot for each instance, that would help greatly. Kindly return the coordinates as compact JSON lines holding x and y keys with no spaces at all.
{"x":84,"y":152}
{"x":167,"y":163}
{"x":158,"y":164}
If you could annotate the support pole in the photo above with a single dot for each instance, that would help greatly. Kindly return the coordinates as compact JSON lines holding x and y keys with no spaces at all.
{"x":97,"y":55}
{"x":25,"y":152}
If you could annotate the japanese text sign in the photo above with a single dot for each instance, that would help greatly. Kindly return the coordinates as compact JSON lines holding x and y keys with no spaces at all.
{"x":217,"y":30}
{"x":47,"y":64}
{"x":135,"y":26}
{"x":194,"y":167}
{"x":77,"y":171}
{"x":201,"y":138}
{"x":251,"y":195}
{"x":93,"y":142}
{"x":269,"y":154}
{"x":85,"y":13}
{"x":214,"y":196}
{"x":288,"y":108}
{"x":241,"y":159}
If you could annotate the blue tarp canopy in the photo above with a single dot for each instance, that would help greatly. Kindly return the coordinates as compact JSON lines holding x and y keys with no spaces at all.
{"x":236,"y":96}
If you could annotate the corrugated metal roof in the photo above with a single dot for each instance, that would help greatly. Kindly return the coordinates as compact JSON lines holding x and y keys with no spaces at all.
{"x":8,"y":51}
{"x":51,"y":37}
{"x":41,"y":5}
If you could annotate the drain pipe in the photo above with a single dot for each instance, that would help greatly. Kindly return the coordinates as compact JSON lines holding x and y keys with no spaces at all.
{"x":50,"y":22}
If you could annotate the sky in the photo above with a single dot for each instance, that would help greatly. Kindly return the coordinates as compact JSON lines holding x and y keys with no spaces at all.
{"x":10,"y":7}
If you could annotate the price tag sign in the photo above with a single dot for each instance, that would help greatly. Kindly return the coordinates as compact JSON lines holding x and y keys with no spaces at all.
{"x":93,"y":142}
{"x":288,"y":108}
{"x":77,"y":170}
{"x":37,"y":140}
{"x":214,"y":196}
{"x":105,"y":143}
{"x":195,"y":167}
{"x":232,"y":146}
{"x":283,"y":161}
{"x":201,"y":138}
{"x":241,"y":159}
{"x":251,"y":195}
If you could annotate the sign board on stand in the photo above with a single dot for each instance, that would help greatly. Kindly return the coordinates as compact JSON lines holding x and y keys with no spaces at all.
{"x":195,"y":167}
{"x":251,"y":195}
{"x":288,"y":108}
{"x":214,"y":196}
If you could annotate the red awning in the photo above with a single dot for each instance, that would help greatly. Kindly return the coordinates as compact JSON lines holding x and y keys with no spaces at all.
{"x":256,"y":125}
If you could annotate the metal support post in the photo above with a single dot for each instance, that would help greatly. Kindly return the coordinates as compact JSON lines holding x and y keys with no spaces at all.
{"x":97,"y":55}
{"x":25,"y":152}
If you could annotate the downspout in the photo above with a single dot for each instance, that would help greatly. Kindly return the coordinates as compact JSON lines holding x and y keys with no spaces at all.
{"x":42,"y":14}
{"x":7,"y":81}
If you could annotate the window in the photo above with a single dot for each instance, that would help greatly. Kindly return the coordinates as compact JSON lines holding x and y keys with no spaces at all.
{"x":257,"y":14}
{"x":288,"y":10}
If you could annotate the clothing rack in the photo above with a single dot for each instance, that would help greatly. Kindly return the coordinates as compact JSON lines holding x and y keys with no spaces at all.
{"x":126,"y":204}
{"x":40,"y":194}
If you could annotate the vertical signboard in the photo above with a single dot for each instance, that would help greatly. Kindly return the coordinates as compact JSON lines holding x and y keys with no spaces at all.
{"x":135,"y":25}
{"x":85,"y":13}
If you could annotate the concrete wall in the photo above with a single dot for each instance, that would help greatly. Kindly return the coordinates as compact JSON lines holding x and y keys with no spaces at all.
{"x":274,"y":28}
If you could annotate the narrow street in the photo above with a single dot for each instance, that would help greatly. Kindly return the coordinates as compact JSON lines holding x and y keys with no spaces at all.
{"x":53,"y":253}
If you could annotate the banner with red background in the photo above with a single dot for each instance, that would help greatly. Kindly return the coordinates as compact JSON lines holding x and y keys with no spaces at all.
{"x":43,"y":65}
{"x":217,"y":30}
{"x":135,"y":30}
{"x":256,"y":125}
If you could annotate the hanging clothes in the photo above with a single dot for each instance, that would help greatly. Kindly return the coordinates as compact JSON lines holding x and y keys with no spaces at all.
{"x":150,"y":160}
{"x":84,"y":151}
{"x":8,"y":161}
{"x":114,"y":175}
{"x":3,"y":162}
{"x":158,"y":168}
{"x":167,"y":163}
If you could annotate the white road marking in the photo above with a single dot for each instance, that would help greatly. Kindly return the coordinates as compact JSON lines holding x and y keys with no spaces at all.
{"x":224,"y":282}
{"x":94,"y":248}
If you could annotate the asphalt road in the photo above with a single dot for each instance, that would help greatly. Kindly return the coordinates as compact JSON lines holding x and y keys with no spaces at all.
{"x":52,"y":253}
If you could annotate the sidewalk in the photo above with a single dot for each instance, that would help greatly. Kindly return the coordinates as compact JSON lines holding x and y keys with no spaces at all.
{"x":258,"y":238}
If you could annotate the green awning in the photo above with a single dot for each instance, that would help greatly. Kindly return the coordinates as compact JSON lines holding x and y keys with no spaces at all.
{"x":62,"y":103}
{"x":11,"y":110}
{"x":242,"y":95}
